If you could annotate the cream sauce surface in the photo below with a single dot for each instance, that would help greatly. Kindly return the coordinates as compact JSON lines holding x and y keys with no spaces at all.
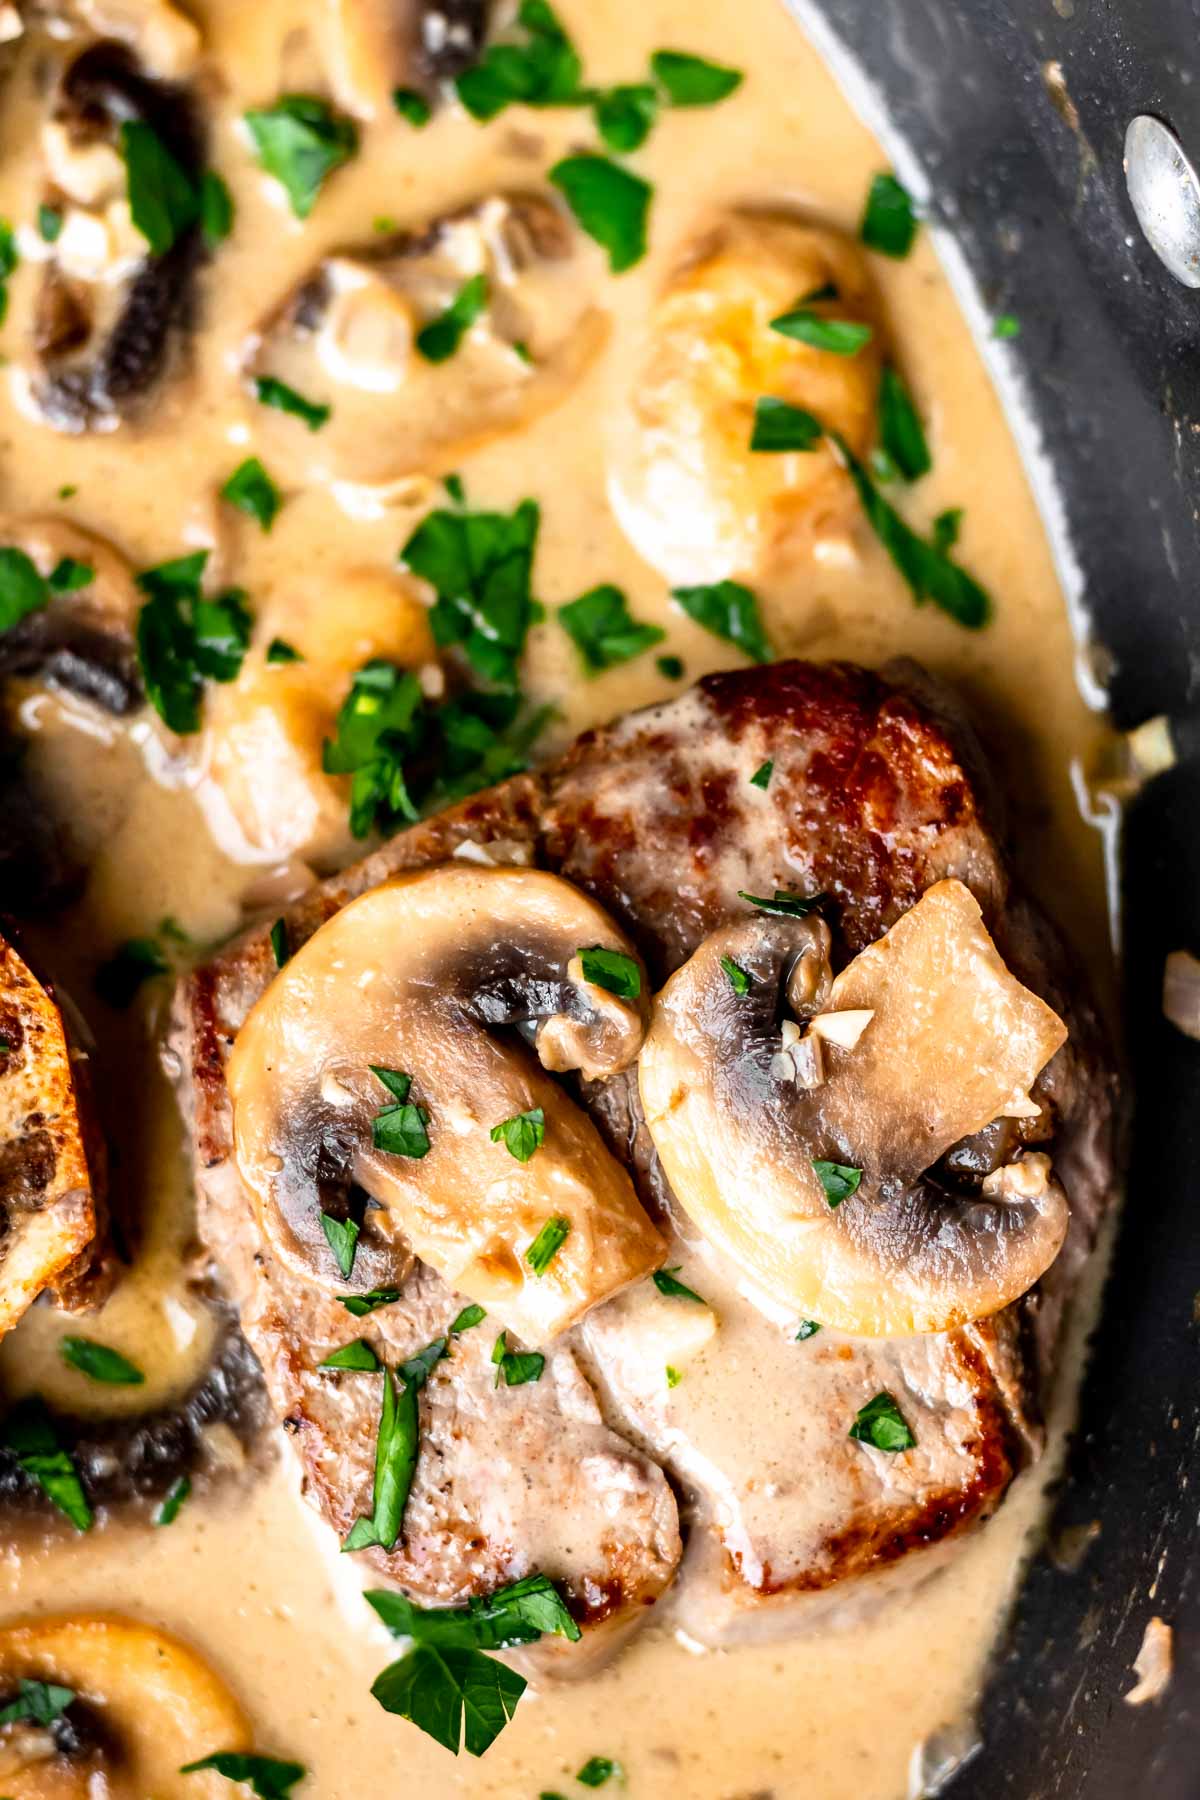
{"x":247,"y":1573}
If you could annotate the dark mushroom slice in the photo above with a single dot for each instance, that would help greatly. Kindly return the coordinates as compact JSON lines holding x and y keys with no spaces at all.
{"x":109,"y":314}
{"x":80,"y":636}
{"x":440,"y":980}
{"x":349,"y":337}
{"x":371,"y":47}
{"x":805,"y":1156}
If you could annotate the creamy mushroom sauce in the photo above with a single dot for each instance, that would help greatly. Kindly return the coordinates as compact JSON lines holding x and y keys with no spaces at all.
{"x":246,"y":1573}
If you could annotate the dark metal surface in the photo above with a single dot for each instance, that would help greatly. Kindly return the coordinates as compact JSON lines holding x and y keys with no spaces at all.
{"x":1026,"y":171}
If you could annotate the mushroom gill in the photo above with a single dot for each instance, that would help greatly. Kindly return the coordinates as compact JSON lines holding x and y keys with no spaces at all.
{"x":425,"y":1001}
{"x":877,"y":1248}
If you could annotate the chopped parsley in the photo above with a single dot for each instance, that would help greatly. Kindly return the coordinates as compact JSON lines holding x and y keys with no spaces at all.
{"x":173,"y":1499}
{"x":417,"y":1370}
{"x":841,"y":337}
{"x":270,"y":391}
{"x":900,"y":429}
{"x":39,"y":1702}
{"x":280,"y":651}
{"x":342,"y":1238}
{"x":929,"y":572}
{"x":453,"y":485}
{"x":359,"y":1355}
{"x":625,"y":115}
{"x":1006,"y":325}
{"x":373,"y":729}
{"x":547,"y":1244}
{"x":28,"y":1434}
{"x":691,"y":80}
{"x":69,"y":575}
{"x":610,"y":203}
{"x":664,"y":1280}
{"x":49,"y":223}
{"x":469,"y":1316}
{"x":216,"y":209}
{"x":807,"y":1328}
{"x":739,"y":980}
{"x":517,"y":1614}
{"x":479,"y":564}
{"x":269,"y":1777}
{"x":300,"y":141}
{"x":783,"y":903}
{"x":946,"y":528}
{"x":99,"y":1363}
{"x":599,"y":1769}
{"x":399,"y":1129}
{"x":670,"y":667}
{"x":729,"y":611}
{"x":118,"y":979}
{"x":522,"y":1134}
{"x":440,"y":338}
{"x":184,"y":639}
{"x":673,"y":1376}
{"x":761,"y":777}
{"x":600,"y":626}
{"x":516,"y":1367}
{"x":395,"y":1461}
{"x":22,"y":589}
{"x":412,"y":106}
{"x":780,"y":426}
{"x":279,"y":942}
{"x":164,"y":201}
{"x":880,"y":1422}
{"x":253,"y":492}
{"x":889,"y":224}
{"x":838,"y":1180}
{"x":359,"y":1305}
{"x":612,"y":970}
{"x":9,"y":258}
{"x":545,"y":70}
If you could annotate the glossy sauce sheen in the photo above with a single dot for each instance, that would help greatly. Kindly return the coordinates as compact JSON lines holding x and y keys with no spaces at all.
{"x":246,"y":1572}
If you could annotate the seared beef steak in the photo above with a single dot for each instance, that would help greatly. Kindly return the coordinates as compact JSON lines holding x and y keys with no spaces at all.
{"x":873,"y":797}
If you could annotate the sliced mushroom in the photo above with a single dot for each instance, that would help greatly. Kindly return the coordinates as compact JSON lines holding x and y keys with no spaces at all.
{"x":346,"y":338}
{"x":371,"y":47}
{"x":691,"y":495}
{"x":53,"y":1214}
{"x":422,"y":976}
{"x":952,"y":1034}
{"x":141,"y":1706}
{"x":166,"y":42}
{"x":109,"y":314}
{"x":83,"y":638}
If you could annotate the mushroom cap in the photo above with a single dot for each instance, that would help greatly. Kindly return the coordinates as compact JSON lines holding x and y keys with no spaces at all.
{"x":691,"y":495}
{"x":952,"y":1037}
{"x":446,"y":976}
{"x":81,"y":640}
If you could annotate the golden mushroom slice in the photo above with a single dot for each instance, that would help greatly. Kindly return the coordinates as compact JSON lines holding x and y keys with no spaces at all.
{"x":353,"y":337}
{"x":808,"y":1164}
{"x":689,"y":492}
{"x":52,"y":1211}
{"x":391,"y":1053}
{"x":100,"y":1705}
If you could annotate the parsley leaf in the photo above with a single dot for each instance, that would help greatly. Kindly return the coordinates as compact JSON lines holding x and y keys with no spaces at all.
{"x":784,"y":904}
{"x":670,"y":667}
{"x":880,"y":1422}
{"x":888,"y":223}
{"x":522,"y":1134}
{"x":280,"y":651}
{"x":516,"y":1367}
{"x":807,"y":1328}
{"x":133,"y":962}
{"x":269,"y":391}
{"x":373,"y":730}
{"x":468,"y":1317}
{"x":946,"y":528}
{"x":173,"y":1499}
{"x":729,"y":611}
{"x":841,"y":337}
{"x":183,"y":639}
{"x":779,"y":426}
{"x":41,"y":1702}
{"x":164,"y":201}
{"x":216,"y":209}
{"x":359,"y":1355}
{"x":601,"y":627}
{"x":761,"y":777}
{"x":49,"y":223}
{"x":547,"y":1244}
{"x":691,"y":80}
{"x":439,"y":1689}
{"x":359,"y":1305}
{"x":1006,"y":325}
{"x":610,"y":203}
{"x":9,"y":259}
{"x":301,"y":140}
{"x":900,"y":429}
{"x":342,"y":1238}
{"x":28,"y":1433}
{"x":599,"y":1769}
{"x":99,"y":1362}
{"x":673,"y":1377}
{"x":625,"y":115}
{"x":664,"y":1280}
{"x":279,"y":943}
{"x":69,"y":575}
{"x":253,"y":492}
{"x":543,"y":71}
{"x":395,"y":1462}
{"x":480,"y":565}
{"x":417,"y":1370}
{"x":440,"y":338}
{"x":520,"y":1613}
{"x":739,"y":980}
{"x":411,"y":106}
{"x":22,"y":589}
{"x":612,"y":970}
{"x":269,"y":1778}
{"x":838,"y":1180}
{"x":399,"y":1129}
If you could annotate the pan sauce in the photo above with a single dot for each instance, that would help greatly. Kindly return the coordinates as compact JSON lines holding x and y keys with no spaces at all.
{"x":246,"y":1573}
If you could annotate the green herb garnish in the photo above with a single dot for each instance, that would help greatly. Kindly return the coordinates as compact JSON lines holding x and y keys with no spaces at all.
{"x":395,"y":1462}
{"x":1006,"y":325}
{"x":599,"y":1769}
{"x":173,"y":1499}
{"x":729,"y":611}
{"x":184,"y":639}
{"x":359,"y":1356}
{"x":272,"y":392}
{"x":664,"y":1280}
{"x":133,"y":962}
{"x":39,"y":1702}
{"x":469,"y":1316}
{"x":28,"y":1433}
{"x":216,"y":209}
{"x":841,"y":337}
{"x":280,"y":651}
{"x":889,"y":224}
{"x":522,"y":1134}
{"x":49,"y":222}
{"x":670,"y":667}
{"x":691,"y":80}
{"x":269,"y":1778}
{"x":9,"y":258}
{"x":783,"y":903}
{"x":164,"y":201}
{"x":69,"y":575}
{"x":412,"y":106}
{"x":516,"y":1367}
{"x":440,"y":338}
{"x":837,"y":1179}
{"x":612,"y":970}
{"x":673,"y":1377}
{"x":600,"y":625}
{"x":779,"y":426}
{"x":22,"y":589}
{"x":359,"y":1305}
{"x":417,"y":1370}
{"x":547,"y":1244}
{"x":900,"y":429}
{"x":399,"y":1129}
{"x":610,"y":203}
{"x":625,"y":115}
{"x":279,"y":942}
{"x":99,"y":1363}
{"x":479,"y":564}
{"x":739,"y":980}
{"x":253,"y":492}
{"x":342,"y":1238}
{"x":946,"y":528}
{"x":807,"y":1328}
{"x":543,"y":71}
{"x":880,"y":1422}
{"x":761,"y":777}
{"x":301,"y":140}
